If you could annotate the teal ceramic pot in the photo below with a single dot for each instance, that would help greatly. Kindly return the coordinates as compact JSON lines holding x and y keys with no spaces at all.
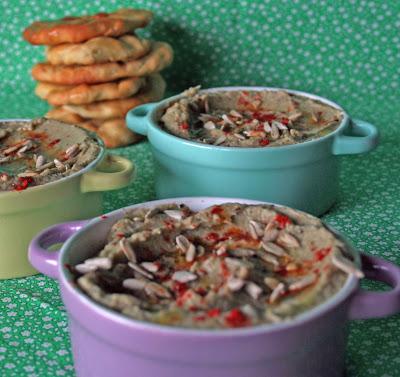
{"x":304,"y":176}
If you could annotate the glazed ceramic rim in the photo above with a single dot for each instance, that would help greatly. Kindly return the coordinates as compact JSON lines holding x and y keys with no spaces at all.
{"x":88,"y":167}
{"x":166,"y":102}
{"x":309,"y":315}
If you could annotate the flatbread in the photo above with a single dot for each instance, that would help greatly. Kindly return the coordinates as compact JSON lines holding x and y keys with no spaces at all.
{"x":113,"y":132}
{"x":159,"y":57}
{"x":81,"y":29}
{"x":58,"y":95}
{"x":99,"y":50}
{"x":153,"y":91}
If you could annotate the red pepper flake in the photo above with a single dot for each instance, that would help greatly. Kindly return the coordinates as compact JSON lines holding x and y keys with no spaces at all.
{"x":53,"y":143}
{"x":212,"y":313}
{"x":120,"y":235}
{"x":23,"y":183}
{"x":264,"y":142}
{"x":201,"y":291}
{"x":103,"y":217}
{"x":184,"y":126}
{"x":225,"y":269}
{"x":322,"y":253}
{"x":180,"y":288}
{"x":282,"y":220}
{"x":235,"y":318}
{"x":193,"y":308}
{"x":217,"y":210}
{"x":262,"y":117}
{"x":212,"y":236}
{"x":285,"y":121}
{"x":200,"y":317}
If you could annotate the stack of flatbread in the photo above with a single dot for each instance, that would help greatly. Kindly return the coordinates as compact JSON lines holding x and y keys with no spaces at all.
{"x":97,"y":69}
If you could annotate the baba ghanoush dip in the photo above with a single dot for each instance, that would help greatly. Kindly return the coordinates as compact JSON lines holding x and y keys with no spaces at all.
{"x":227,"y":266}
{"x":249,"y":118}
{"x":40,"y":151}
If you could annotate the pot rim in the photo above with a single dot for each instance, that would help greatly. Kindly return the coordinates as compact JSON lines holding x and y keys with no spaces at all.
{"x":90,"y":166}
{"x":208,"y":147}
{"x":66,"y":281}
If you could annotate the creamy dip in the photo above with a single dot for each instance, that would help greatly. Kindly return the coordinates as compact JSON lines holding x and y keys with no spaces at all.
{"x":249,"y":118}
{"x":230,"y":265}
{"x":36,"y":152}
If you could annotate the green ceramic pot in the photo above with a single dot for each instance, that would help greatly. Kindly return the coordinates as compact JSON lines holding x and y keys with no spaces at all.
{"x":304,"y":176}
{"x":24,"y":213}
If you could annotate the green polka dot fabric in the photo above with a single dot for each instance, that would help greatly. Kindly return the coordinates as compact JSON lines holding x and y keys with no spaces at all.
{"x":348,"y":51}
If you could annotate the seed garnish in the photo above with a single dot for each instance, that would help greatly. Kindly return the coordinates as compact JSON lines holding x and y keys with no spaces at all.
{"x":302,"y":283}
{"x":183,"y":276}
{"x":274,"y":249}
{"x":346,"y":266}
{"x":140,"y":270}
{"x":253,"y":290}
{"x":276,"y":293}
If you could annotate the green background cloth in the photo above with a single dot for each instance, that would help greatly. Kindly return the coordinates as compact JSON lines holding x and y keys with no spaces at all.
{"x":347,"y":50}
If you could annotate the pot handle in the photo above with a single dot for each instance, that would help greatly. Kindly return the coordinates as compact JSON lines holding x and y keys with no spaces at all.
{"x":112,"y":173}
{"x":137,"y":119}
{"x":364,"y":138}
{"x":364,"y":304}
{"x":39,"y":255}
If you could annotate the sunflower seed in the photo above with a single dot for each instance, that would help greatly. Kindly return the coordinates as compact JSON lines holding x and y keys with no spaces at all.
{"x":39,"y":161}
{"x":279,"y":125}
{"x":285,"y":239}
{"x":85,"y":268}
{"x":200,"y":250}
{"x":140,"y":270}
{"x":72,"y":151}
{"x":45,"y":166}
{"x":267,"y":127}
{"x":183,"y":276}
{"x":302,"y":283}
{"x":239,"y":253}
{"x":253,"y":290}
{"x":221,"y":250}
{"x":269,"y":258}
{"x":274,"y":132}
{"x":295,"y":133}
{"x":227,"y":119}
{"x":270,"y":234}
{"x":291,"y":266}
{"x":271,"y":316}
{"x":294,"y":116}
{"x":150,"y":266}
{"x":234,"y":284}
{"x":11,"y":149}
{"x":209,"y":125}
{"x":190,"y":253}
{"x":257,"y":228}
{"x":220,"y":140}
{"x":272,"y":248}
{"x":271,"y":282}
{"x":127,"y":249}
{"x":175,"y":214}
{"x":26,"y":147}
{"x":4,"y":159}
{"x":279,"y":289}
{"x":235,"y":114}
{"x":99,"y":262}
{"x":157,"y":290}
{"x":346,"y":266}
{"x":59,"y":164}
{"x":183,"y":243}
{"x":135,"y":284}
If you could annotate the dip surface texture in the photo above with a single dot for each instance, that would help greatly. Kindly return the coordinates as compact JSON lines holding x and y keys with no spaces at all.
{"x":37,"y":152}
{"x":227,"y":266}
{"x":249,"y":118}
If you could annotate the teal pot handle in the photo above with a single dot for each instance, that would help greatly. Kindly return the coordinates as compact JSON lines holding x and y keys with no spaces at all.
{"x":364,"y":138}
{"x":138,"y":118}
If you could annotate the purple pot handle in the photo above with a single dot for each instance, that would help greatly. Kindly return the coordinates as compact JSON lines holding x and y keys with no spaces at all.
{"x":40,"y":257}
{"x":366,"y":304}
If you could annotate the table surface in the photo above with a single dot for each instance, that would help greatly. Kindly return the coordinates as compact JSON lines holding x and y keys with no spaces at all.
{"x":346,"y":51}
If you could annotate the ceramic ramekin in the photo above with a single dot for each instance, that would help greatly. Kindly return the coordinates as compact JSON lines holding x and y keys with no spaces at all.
{"x":106,"y":343}
{"x":304,"y":176}
{"x":79,"y":196}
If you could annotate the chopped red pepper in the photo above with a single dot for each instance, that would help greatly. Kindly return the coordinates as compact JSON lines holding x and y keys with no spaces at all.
{"x":217,"y":210}
{"x":213,"y":312}
{"x":285,"y":121}
{"x":23,"y":183}
{"x":264,"y":142}
{"x":235,"y":318}
{"x":103,"y":217}
{"x":200,"y":317}
{"x":282,"y":220}
{"x":212,"y":236}
{"x":322,"y":253}
{"x":184,"y":126}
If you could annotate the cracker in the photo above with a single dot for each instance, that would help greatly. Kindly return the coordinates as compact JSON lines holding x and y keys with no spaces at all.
{"x":159,"y":57}
{"x":58,"y":95}
{"x":80,"y":29}
{"x":99,"y":50}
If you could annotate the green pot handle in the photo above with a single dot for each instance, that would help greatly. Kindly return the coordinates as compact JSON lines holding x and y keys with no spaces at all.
{"x":363,"y":138}
{"x":112,"y":173}
{"x":137,"y":119}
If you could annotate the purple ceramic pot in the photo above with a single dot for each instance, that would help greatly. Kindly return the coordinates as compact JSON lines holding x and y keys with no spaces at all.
{"x":106,"y":343}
